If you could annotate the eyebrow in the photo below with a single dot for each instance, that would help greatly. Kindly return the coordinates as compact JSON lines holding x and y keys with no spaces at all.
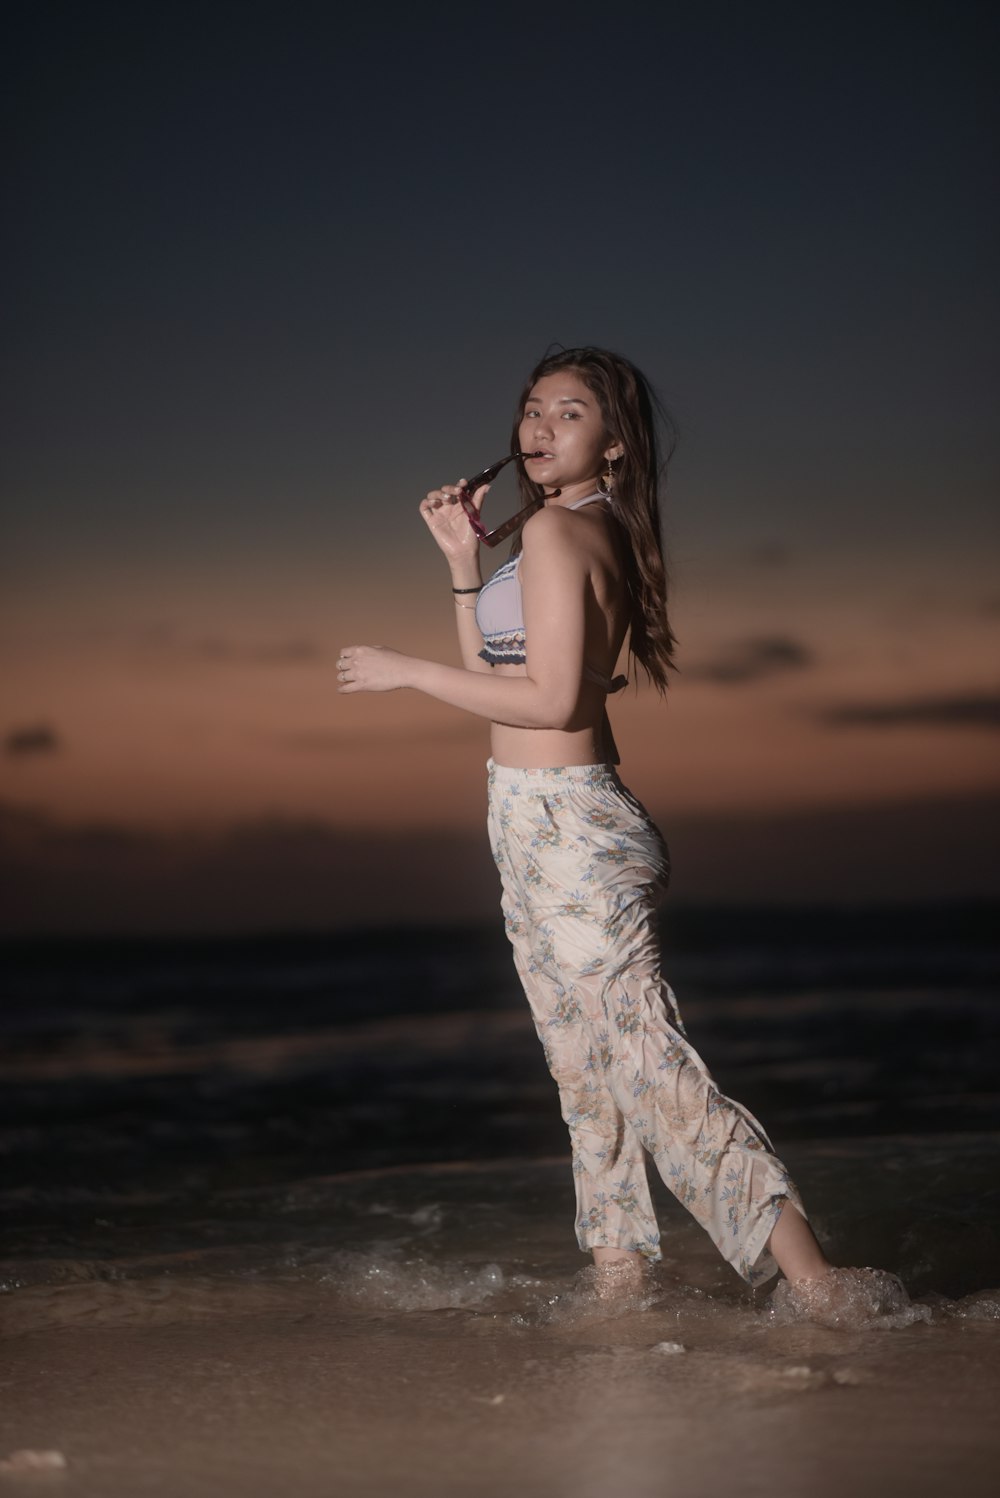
{"x":564,"y":400}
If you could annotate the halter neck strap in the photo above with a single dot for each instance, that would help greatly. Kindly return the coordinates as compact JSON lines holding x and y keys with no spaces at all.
{"x":588,"y":500}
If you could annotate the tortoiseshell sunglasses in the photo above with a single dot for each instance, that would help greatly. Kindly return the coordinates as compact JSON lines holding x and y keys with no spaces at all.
{"x":492,"y":538}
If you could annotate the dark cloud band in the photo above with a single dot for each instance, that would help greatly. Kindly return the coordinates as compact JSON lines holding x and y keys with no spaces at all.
{"x":753,"y":659}
{"x":971,"y":710}
{"x":32,"y":739}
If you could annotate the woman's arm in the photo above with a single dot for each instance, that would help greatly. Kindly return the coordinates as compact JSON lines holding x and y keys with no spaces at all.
{"x":449,"y":525}
{"x":554,"y":575}
{"x":470,"y":641}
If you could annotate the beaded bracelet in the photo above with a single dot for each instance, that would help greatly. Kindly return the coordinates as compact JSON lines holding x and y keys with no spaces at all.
{"x":468,"y":590}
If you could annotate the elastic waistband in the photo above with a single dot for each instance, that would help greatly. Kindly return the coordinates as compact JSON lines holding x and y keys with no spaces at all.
{"x":551,"y":775}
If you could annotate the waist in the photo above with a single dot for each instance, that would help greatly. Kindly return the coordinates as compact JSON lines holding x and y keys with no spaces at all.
{"x":551,"y":775}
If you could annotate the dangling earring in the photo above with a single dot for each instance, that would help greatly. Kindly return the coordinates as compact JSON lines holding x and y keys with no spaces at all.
{"x":606,"y":482}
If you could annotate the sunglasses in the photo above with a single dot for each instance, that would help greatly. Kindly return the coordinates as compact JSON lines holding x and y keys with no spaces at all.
{"x":492,"y":538}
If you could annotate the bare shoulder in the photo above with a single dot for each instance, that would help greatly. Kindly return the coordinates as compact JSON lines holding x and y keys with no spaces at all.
{"x":552,"y":521}
{"x":551,"y":542}
{"x":557,"y":528}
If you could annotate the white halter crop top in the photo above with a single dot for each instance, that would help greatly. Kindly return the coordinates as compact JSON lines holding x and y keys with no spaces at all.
{"x":500,"y":616}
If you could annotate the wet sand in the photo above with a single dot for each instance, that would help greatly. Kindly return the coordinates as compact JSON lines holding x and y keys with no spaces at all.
{"x":395,"y":1366}
{"x":326,"y":1406}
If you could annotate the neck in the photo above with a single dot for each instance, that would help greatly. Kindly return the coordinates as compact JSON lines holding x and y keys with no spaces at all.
{"x":572,"y":492}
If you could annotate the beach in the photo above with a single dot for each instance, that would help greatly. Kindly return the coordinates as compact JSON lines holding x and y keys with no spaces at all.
{"x":194,"y":1305}
{"x":391,"y":1367}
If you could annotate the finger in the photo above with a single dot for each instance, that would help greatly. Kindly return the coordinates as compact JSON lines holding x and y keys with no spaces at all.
{"x":438,"y":499}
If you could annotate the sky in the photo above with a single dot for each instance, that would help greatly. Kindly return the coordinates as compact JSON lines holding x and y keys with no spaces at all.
{"x":275,"y":271}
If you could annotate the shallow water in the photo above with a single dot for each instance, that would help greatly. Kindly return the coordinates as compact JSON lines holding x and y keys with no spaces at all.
{"x":427,"y":1331}
{"x":497,"y":1239}
{"x":300,"y":1215}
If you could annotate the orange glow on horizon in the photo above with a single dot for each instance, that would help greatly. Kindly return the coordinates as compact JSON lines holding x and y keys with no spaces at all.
{"x":210,"y":724}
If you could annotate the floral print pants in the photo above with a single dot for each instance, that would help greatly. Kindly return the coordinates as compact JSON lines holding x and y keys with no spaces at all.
{"x":583,"y":867}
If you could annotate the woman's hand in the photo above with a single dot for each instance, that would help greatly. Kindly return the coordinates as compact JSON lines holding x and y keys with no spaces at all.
{"x":449,"y":524}
{"x":371,"y":668}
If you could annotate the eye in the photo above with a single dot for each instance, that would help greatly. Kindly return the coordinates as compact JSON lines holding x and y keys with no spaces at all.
{"x":531,"y":411}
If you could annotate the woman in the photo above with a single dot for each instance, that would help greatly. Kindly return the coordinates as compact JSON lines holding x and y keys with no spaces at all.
{"x":581,"y":864}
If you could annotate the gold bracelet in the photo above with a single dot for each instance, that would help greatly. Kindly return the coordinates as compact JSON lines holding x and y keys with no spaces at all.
{"x":471,"y":606}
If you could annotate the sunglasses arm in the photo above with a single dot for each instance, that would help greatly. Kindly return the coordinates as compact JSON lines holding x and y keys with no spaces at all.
{"x":493,"y":538}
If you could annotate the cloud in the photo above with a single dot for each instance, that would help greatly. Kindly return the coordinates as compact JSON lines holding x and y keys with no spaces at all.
{"x":20,"y":824}
{"x":32,"y":739}
{"x":290,"y":873}
{"x":162,"y":643}
{"x":919,"y":848}
{"x":33,"y":833}
{"x":269,"y":873}
{"x":273,"y":835}
{"x":105,"y":839}
{"x":294,"y":652}
{"x":753,"y":659}
{"x":970,"y":710}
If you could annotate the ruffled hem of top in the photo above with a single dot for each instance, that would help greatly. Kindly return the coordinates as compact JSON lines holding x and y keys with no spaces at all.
{"x":504,"y":650}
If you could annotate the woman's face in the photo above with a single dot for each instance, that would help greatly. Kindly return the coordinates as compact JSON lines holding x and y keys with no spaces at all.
{"x":562,"y":420}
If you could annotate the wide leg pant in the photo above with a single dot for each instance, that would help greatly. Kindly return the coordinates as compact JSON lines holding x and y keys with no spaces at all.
{"x":582,"y":868}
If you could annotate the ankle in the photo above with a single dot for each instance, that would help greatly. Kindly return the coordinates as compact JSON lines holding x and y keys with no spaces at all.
{"x":795,"y":1247}
{"x":615,"y":1256}
{"x":811,"y":1278}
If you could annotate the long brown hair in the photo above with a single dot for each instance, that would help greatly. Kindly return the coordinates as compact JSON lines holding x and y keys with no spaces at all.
{"x":633,"y":416}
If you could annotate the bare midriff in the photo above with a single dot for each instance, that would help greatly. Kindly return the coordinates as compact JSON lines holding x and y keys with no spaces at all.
{"x":540,"y":748}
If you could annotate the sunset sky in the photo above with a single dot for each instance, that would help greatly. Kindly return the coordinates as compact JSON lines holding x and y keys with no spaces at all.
{"x":273,"y":272}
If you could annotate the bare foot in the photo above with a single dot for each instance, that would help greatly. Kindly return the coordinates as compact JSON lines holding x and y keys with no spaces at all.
{"x":618,"y":1277}
{"x":617,"y":1271}
{"x":848,"y":1299}
{"x":616,"y":1256}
